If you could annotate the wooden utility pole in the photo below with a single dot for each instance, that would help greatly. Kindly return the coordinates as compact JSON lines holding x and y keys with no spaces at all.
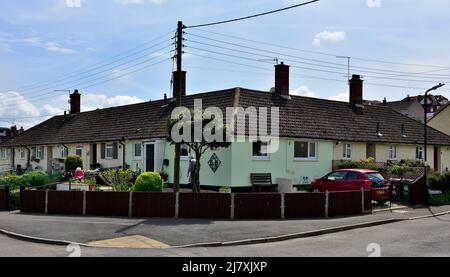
{"x":176,"y":174}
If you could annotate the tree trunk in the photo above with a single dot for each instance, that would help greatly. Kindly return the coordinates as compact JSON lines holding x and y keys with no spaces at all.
{"x":196,"y":183}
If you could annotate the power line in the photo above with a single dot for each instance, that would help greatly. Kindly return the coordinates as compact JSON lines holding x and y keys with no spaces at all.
{"x":322,"y":53}
{"x":34,"y":97}
{"x":94,"y":66}
{"x":252,"y":16}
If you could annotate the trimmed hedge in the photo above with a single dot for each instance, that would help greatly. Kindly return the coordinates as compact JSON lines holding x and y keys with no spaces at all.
{"x":149,"y":182}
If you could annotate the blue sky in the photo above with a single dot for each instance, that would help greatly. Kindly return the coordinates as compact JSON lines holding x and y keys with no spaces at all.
{"x":44,"y":40}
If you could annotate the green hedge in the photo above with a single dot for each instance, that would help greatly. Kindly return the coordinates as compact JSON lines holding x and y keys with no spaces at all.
{"x":29,"y":179}
{"x":149,"y":182}
{"x":440,"y":199}
{"x":440,"y":182}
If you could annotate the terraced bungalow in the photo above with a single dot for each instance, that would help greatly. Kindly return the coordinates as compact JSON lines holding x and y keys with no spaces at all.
{"x":315,"y":136}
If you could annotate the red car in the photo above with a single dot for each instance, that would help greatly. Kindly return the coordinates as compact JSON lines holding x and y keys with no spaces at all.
{"x":352,"y":180}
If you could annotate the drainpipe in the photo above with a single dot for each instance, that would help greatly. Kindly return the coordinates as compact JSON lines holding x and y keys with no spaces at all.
{"x":123,"y":152}
{"x":13,"y":158}
{"x":70,"y":176}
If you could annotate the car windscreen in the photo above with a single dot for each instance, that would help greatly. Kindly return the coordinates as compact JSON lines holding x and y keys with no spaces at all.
{"x":376,"y":178}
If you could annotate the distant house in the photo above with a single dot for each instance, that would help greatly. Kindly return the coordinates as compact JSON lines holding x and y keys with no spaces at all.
{"x":414,"y":106}
{"x":314,"y":135}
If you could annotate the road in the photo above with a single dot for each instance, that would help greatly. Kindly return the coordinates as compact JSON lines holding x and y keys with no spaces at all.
{"x":423,"y":237}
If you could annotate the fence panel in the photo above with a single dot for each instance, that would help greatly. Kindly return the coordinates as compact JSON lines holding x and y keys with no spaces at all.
{"x":153,"y":204}
{"x":33,"y":201}
{"x":205,"y":205}
{"x":107,"y":203}
{"x":304,"y":205}
{"x":257,"y":206}
{"x":368,"y":200}
{"x":345,"y":203}
{"x":4,"y":199}
{"x":65,"y":202}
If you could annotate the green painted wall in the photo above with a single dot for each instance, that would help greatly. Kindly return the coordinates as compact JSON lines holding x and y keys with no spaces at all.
{"x":281,"y":164}
{"x":221,"y":177}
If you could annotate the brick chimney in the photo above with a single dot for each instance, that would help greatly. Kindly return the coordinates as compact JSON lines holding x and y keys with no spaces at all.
{"x":281,"y":80}
{"x":356,"y":90}
{"x":75,"y":102}
{"x":14,"y":131}
{"x":179,"y":82}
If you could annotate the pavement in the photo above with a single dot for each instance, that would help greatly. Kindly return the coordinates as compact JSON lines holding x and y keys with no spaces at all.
{"x":169,"y":233}
{"x":426,"y":237}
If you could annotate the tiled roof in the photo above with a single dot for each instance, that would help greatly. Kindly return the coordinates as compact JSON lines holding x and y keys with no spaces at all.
{"x":300,"y":117}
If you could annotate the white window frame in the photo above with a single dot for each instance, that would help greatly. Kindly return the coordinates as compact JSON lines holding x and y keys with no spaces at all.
{"x":137,"y":158}
{"x":63,"y":152}
{"x":111,"y":147}
{"x":265,"y":157}
{"x":309,"y":158}
{"x":392,"y":152}
{"x":3,"y":154}
{"x":419,"y":153}
{"x":22,"y":154}
{"x":79,"y":148}
{"x":347,"y":151}
{"x":39,"y":152}
{"x":186,"y":147}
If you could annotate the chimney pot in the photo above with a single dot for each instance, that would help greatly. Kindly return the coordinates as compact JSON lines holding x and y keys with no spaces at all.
{"x":281,"y":79}
{"x":179,"y":83}
{"x":356,"y":90}
{"x":75,"y":102}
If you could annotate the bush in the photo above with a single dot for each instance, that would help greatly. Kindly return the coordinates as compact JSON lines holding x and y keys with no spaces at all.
{"x":13,"y":181}
{"x":72,"y":163}
{"x":149,"y":182}
{"x":440,"y":199}
{"x":440,"y":182}
{"x":118,"y":179}
{"x":399,"y":170}
{"x":35,"y":179}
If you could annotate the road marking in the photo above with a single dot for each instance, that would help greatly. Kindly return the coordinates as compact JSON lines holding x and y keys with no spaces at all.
{"x":140,"y":242}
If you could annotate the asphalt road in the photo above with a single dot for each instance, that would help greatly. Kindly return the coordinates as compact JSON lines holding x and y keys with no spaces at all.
{"x":423,"y":237}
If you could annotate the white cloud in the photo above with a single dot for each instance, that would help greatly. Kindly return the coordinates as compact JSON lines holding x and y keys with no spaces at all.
{"x":343,"y":97}
{"x":13,"y":104}
{"x":329,"y":37}
{"x":303,"y":91}
{"x":91,"y":102}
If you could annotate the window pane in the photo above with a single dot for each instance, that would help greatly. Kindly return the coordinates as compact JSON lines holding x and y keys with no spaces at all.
{"x":260,"y":149}
{"x":301,"y":149}
{"x":137,"y":150}
{"x":184,"y":150}
{"x":109,"y":150}
{"x":312,"y":150}
{"x":340,"y":175}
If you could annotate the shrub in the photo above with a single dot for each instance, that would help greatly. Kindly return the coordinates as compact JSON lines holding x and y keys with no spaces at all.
{"x":35,"y":179}
{"x":149,"y":182}
{"x":12,"y":180}
{"x":439,"y":182}
{"x":118,"y":179}
{"x":440,"y":199}
{"x":399,"y":170}
{"x":72,"y":163}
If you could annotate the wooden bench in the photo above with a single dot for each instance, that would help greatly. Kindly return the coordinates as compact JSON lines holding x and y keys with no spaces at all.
{"x":260,"y":180}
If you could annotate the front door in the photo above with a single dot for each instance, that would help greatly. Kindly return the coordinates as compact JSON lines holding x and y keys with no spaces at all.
{"x":94,"y":153}
{"x":150,"y":158}
{"x":436,"y":158}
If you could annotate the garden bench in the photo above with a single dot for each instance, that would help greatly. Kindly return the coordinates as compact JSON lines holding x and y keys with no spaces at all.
{"x":262,"y":180}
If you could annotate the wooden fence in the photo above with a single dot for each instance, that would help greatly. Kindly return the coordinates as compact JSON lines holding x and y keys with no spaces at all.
{"x":204,"y":205}
{"x":4,"y":198}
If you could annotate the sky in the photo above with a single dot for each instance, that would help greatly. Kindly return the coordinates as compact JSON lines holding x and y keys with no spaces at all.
{"x":117,"y":52}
